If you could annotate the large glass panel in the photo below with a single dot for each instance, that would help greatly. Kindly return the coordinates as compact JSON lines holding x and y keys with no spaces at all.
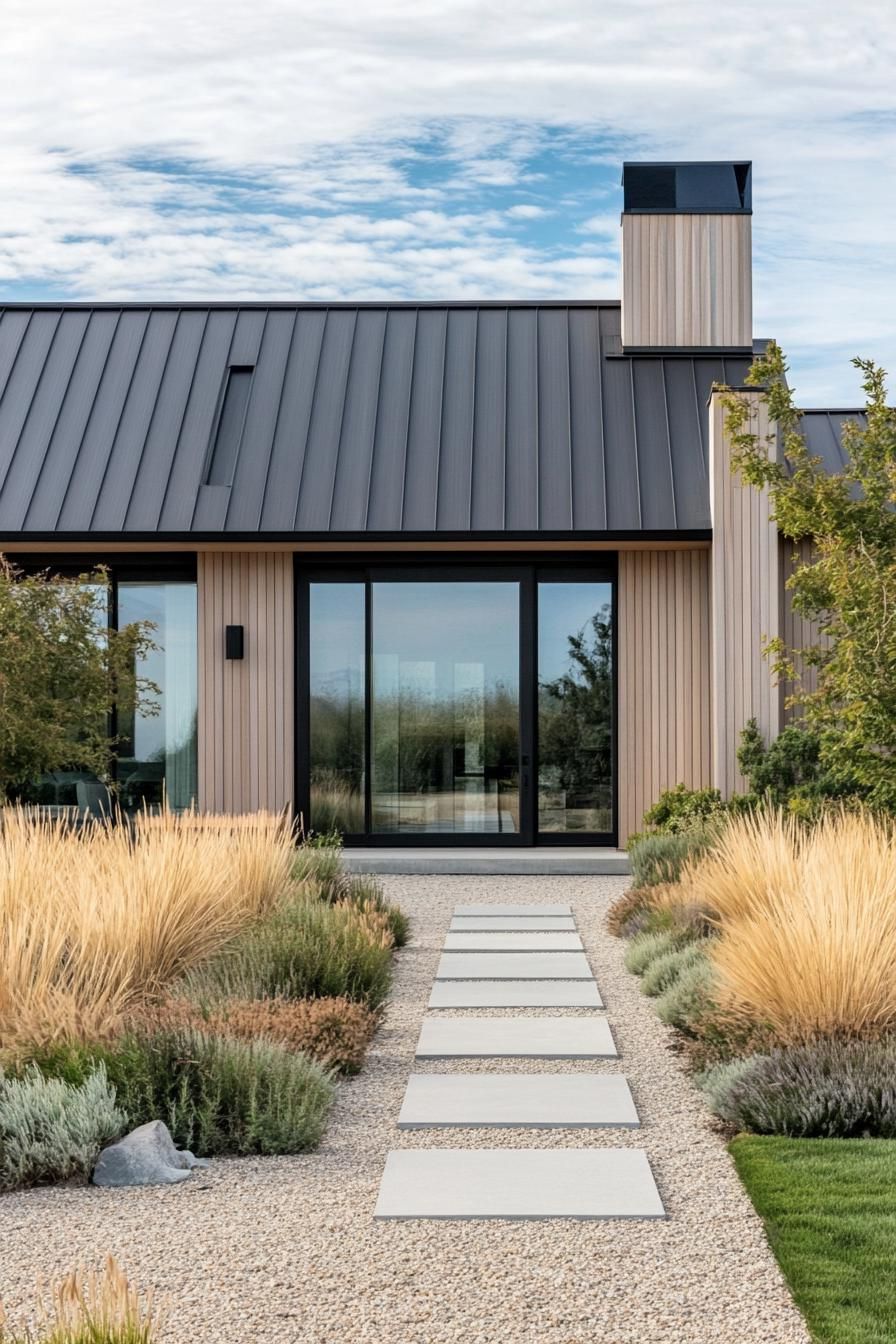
{"x":74,"y":789}
{"x":445,"y":707}
{"x":575,"y":707}
{"x":337,"y":727}
{"x":157,"y":756}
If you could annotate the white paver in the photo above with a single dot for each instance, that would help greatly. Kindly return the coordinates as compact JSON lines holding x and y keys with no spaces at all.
{"x":505,"y":908}
{"x":513,"y":942}
{"x":516,"y":1037}
{"x":512,"y":923}
{"x":518,"y":1183}
{"x":517,"y":1100}
{"x":514,"y":966}
{"x":515,"y":994}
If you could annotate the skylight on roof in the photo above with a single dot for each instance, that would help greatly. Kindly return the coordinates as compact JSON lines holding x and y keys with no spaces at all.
{"x":229,"y":430}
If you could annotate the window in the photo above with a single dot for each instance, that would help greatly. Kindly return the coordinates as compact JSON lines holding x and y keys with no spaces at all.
{"x":156,"y":758}
{"x":466,"y":703}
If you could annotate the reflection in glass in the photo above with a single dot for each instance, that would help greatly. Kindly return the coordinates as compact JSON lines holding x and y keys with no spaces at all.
{"x":157,"y":754}
{"x":445,"y":707}
{"x":337,"y":707}
{"x":575,"y":707}
{"x":61,"y":791}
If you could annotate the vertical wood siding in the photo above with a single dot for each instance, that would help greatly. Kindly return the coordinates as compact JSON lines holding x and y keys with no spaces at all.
{"x":747,"y":603}
{"x":246,"y":733}
{"x":686,"y":280}
{"x":663,"y":677}
{"x":797,"y":632}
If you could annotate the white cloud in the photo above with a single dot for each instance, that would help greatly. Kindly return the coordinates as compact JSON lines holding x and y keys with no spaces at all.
{"x":527,"y":212}
{"x":297,"y":116}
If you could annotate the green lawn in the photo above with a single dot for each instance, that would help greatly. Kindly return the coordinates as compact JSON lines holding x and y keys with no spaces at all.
{"x":829,"y":1207}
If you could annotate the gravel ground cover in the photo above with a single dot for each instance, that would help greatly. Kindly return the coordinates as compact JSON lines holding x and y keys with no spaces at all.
{"x":285,"y":1249}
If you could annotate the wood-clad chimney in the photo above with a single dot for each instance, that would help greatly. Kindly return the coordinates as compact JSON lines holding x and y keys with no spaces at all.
{"x":686,"y":256}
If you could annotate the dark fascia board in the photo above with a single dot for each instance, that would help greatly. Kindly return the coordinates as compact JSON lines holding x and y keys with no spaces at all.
{"x":193,"y":305}
{"x":687,"y":210}
{"x":682,"y":352}
{"x":200,"y":539}
{"x":834,"y":410}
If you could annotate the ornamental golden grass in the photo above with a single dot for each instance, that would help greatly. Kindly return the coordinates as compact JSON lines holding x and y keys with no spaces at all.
{"x":92,"y":1308}
{"x":96,"y":921}
{"x":806,"y":919}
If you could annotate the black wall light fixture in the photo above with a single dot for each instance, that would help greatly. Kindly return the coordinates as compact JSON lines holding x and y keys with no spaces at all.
{"x":233,"y":641}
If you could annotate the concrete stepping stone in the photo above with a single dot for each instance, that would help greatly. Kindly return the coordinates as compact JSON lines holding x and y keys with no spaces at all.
{"x":516,"y":1038}
{"x":517,"y":1100}
{"x":520,"y":1183}
{"x":515,"y":994}
{"x":503,"y":908}
{"x":512,"y":924}
{"x":512,"y":942}
{"x":514,"y":966}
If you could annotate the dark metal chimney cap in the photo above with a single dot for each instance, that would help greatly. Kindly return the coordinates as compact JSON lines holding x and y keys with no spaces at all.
{"x":700,"y":188}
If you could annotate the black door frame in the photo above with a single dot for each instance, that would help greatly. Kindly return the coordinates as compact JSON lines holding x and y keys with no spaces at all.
{"x":528,"y":571}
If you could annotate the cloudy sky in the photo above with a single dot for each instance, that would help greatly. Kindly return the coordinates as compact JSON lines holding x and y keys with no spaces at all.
{"x":445,"y":149}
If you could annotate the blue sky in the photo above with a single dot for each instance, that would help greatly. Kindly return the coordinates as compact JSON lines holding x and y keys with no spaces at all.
{"x":456,"y":148}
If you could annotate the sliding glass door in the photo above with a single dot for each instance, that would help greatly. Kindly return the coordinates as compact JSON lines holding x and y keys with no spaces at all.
{"x":575,"y":707}
{"x":449,"y":704}
{"x":445,"y":741}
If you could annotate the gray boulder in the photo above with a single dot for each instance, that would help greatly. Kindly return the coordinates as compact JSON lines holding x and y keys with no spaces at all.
{"x":146,"y":1156}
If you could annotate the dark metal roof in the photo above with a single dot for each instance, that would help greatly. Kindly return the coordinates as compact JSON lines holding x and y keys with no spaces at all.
{"x":512,"y":420}
{"x":823,"y":433}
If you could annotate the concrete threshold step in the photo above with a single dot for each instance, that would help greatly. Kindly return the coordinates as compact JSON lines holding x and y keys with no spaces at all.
{"x":546,"y":861}
{"x":518,"y":1183}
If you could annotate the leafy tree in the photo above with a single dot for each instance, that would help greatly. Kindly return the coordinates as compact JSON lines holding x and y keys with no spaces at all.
{"x":61,"y":673}
{"x":848,"y":589}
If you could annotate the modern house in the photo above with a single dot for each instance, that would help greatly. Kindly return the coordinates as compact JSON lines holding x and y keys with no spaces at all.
{"x":448,"y":573}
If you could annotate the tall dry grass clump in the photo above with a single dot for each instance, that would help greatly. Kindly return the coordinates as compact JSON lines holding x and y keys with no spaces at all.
{"x":93,"y":1308}
{"x":806,"y":919}
{"x":97,"y":920}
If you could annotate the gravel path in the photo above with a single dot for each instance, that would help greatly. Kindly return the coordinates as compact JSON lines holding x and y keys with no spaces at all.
{"x":285,"y":1249}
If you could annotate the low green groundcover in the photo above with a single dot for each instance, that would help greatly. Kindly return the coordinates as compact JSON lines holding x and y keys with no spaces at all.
{"x":829,"y":1207}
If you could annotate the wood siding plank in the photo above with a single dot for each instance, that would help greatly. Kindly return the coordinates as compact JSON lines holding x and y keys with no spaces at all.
{"x":686,"y":280}
{"x":246,"y":745}
{"x":663,"y":677}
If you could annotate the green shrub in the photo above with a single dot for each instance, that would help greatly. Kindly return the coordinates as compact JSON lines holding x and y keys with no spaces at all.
{"x":681,"y":810}
{"x":320,"y":864}
{"x":217,"y":1095}
{"x":664,"y":971}
{"x":659,"y":859}
{"x":685,"y":1003}
{"x":724,"y":1034}
{"x":221,"y":1095}
{"x":647,"y":947}
{"x":304,"y":949}
{"x":51,"y":1130}
{"x":832,"y":1089}
{"x":716,"y":1083}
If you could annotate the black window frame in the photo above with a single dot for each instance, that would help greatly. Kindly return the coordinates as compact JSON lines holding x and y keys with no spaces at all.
{"x":170,"y":566}
{"x":529,"y":571}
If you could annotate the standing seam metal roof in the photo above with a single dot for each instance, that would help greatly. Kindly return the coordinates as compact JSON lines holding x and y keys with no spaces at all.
{"x":391,"y":419}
